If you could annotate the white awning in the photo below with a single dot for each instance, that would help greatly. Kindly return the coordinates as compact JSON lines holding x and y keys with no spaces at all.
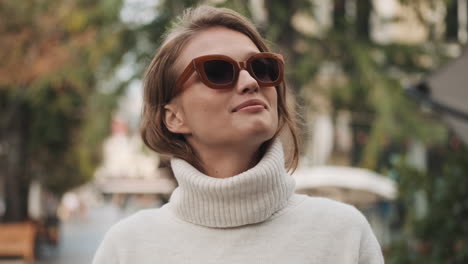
{"x":348,"y":184}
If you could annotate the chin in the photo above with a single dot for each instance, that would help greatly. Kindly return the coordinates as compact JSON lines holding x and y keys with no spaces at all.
{"x":260,"y":136}
{"x":254,"y":131}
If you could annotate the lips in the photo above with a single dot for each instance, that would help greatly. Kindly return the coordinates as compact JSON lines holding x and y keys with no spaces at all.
{"x":252,"y":102}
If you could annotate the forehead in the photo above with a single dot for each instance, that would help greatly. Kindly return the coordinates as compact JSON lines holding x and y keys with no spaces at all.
{"x":217,"y":40}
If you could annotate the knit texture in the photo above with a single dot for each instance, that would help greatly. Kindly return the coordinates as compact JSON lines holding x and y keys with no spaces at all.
{"x":252,"y":217}
{"x":248,"y":198}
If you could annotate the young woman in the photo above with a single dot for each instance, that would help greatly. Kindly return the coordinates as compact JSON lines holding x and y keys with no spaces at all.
{"x":215,"y":101}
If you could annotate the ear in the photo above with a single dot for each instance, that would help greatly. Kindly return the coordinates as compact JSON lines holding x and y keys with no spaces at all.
{"x":174,"y":119}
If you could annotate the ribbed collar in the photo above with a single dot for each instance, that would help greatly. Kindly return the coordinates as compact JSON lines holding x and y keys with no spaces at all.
{"x":247,"y":198}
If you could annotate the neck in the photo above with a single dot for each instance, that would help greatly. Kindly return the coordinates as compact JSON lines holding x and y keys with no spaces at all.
{"x":227,"y":161}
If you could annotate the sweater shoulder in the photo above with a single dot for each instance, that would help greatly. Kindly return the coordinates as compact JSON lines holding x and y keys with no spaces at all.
{"x":125,"y":234}
{"x":343,"y":220}
{"x":326,"y":205}
{"x":328,"y":211}
{"x":137,"y":224}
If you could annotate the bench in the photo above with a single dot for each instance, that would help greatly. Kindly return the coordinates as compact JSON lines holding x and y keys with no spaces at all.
{"x":18,"y":240}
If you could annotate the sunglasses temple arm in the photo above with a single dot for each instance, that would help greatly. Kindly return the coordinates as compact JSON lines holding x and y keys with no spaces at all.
{"x":185,"y":75}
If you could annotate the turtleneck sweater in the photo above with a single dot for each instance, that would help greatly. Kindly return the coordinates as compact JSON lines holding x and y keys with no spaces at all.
{"x":252,"y":217}
{"x":248,"y":198}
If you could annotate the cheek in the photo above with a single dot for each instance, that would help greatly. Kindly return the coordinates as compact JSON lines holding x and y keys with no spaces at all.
{"x":204,"y":110}
{"x":197,"y":112}
{"x":276,"y":111}
{"x":273,"y":98}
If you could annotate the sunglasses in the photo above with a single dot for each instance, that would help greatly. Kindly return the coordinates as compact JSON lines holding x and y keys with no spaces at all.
{"x":220,"y":71}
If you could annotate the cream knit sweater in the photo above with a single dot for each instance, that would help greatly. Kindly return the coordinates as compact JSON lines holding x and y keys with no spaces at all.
{"x":253,"y":217}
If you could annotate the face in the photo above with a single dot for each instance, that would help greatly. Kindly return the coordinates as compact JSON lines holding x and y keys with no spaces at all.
{"x":244,"y":115}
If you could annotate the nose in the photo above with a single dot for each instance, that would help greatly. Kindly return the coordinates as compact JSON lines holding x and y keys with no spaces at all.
{"x":246,"y":83}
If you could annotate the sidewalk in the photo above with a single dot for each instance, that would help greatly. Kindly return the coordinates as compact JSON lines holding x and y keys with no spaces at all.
{"x":79,"y":238}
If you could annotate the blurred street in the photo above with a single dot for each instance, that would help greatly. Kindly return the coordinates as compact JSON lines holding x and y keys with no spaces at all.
{"x":82,"y":231}
{"x":79,"y":238}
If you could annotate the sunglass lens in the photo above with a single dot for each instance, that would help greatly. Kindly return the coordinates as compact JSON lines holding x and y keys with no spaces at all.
{"x":219,"y":71}
{"x":266,"y":69}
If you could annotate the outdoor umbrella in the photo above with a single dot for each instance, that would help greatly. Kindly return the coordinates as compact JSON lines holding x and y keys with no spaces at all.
{"x":351,"y":185}
{"x":446,"y":91}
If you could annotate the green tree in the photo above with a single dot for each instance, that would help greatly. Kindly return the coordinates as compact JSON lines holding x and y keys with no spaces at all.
{"x":435,"y":229}
{"x":54,"y":53}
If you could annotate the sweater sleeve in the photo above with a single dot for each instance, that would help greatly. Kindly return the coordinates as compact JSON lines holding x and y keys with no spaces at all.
{"x":107,"y":252}
{"x":369,"y":249}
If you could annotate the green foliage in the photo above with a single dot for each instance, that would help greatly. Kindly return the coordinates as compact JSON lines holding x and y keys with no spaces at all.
{"x":58,"y":50}
{"x":439,"y":234}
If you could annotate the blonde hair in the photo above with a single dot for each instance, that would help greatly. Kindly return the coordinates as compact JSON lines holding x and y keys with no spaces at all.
{"x":161,"y":75}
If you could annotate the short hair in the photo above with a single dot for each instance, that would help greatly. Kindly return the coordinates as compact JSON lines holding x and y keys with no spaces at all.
{"x":161,"y":75}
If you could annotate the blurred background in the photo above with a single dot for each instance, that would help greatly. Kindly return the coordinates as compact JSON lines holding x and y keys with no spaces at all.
{"x":380,"y":86}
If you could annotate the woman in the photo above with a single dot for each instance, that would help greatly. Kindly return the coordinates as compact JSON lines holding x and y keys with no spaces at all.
{"x":215,"y":101}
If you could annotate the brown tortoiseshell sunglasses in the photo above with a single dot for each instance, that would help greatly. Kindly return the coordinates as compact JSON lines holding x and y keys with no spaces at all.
{"x":220,"y":71}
